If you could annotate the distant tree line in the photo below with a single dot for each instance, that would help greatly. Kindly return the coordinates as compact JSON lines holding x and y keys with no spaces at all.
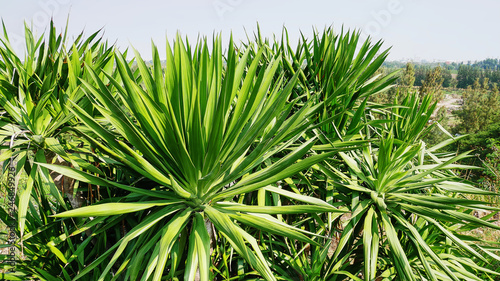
{"x":466,"y":73}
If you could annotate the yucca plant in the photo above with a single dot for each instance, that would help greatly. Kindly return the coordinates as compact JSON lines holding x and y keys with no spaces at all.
{"x":34,"y":93}
{"x":406,"y":203}
{"x":337,"y":69}
{"x":340,"y":72}
{"x":398,"y":193}
{"x":204,"y":131}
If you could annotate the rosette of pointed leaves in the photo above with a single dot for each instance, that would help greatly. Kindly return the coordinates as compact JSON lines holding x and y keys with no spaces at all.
{"x":204,"y":129}
{"x":35,"y":93}
{"x":398,"y":193}
{"x":34,"y":99}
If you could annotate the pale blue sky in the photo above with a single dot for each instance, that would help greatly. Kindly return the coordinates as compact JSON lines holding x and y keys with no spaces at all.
{"x":416,"y":29}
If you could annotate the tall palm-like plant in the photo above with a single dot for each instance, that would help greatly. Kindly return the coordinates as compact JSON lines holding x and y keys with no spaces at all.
{"x":398,"y":192}
{"x":336,"y":69}
{"x":204,"y":131}
{"x":35,"y":94}
{"x":339,"y":72}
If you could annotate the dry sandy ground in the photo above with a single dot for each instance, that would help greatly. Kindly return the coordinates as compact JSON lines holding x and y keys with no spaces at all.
{"x":450,"y":102}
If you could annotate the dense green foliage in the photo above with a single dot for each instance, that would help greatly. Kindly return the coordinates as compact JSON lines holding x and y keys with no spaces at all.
{"x":481,"y":108}
{"x":249,"y":161}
